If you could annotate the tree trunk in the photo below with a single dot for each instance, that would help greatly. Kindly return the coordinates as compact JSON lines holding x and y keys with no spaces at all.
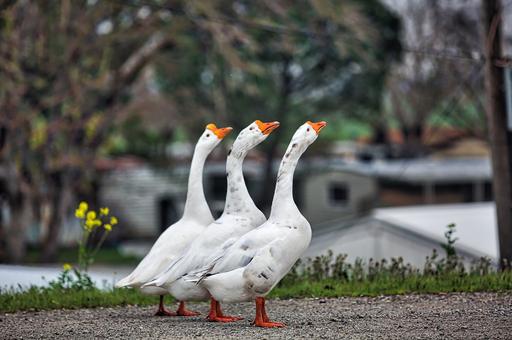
{"x":413,"y":136}
{"x":60,"y":198}
{"x":17,"y":199}
{"x":3,"y":244}
{"x":19,"y":206}
{"x":500,"y":138}
{"x":266,"y":194}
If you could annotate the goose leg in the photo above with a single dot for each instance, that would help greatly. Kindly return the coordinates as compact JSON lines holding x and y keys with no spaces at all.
{"x":182,"y":311}
{"x":215,"y":314}
{"x":220,"y":314}
{"x":262,"y":319}
{"x":264,"y":312}
{"x":162,"y":311}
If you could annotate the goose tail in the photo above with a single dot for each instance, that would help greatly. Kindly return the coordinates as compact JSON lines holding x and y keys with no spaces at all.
{"x":126,"y":282}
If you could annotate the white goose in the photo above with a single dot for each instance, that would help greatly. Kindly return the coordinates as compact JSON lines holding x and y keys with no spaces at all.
{"x":240,"y":216}
{"x":257,"y":261}
{"x":174,"y":240}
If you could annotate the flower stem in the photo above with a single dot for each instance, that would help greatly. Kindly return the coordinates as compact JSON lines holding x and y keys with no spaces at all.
{"x":98,"y":246}
{"x":82,"y":251}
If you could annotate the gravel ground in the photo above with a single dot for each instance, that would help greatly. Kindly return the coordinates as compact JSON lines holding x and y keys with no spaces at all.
{"x":468,"y":316}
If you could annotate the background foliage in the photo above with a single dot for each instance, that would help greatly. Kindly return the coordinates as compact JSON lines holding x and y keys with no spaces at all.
{"x":86,"y":80}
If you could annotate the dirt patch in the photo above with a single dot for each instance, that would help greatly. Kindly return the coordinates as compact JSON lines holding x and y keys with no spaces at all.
{"x":468,"y":316}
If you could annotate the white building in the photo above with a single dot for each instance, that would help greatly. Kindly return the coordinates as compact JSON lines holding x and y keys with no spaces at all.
{"x":412,"y":233}
{"x":324,"y":195}
{"x":147,"y":200}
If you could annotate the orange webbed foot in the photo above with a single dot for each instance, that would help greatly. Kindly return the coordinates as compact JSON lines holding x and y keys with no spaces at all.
{"x":187,"y":313}
{"x":182,"y":311}
{"x":164,"y":312}
{"x":222,"y":318}
{"x":233,"y":318}
{"x":216,"y":314}
{"x":269,"y":324}
{"x":262,"y":319}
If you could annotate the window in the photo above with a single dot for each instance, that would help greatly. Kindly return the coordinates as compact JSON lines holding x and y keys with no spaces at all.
{"x":338,"y":194}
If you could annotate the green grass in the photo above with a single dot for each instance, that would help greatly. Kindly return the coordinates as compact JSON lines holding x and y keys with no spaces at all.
{"x":47,"y":298}
{"x":54,"y":298}
{"x":493,"y":282}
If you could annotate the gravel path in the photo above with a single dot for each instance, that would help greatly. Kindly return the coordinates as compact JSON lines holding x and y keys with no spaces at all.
{"x":468,"y":316}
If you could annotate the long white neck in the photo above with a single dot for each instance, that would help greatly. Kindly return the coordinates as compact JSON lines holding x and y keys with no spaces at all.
{"x":238,"y":200}
{"x":196,"y":206}
{"x":283,"y":203}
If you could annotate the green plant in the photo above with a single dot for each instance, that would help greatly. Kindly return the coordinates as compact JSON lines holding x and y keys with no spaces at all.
{"x":482,"y":266}
{"x":450,"y":241}
{"x":92,"y":223}
{"x":72,"y":278}
{"x":340,"y":268}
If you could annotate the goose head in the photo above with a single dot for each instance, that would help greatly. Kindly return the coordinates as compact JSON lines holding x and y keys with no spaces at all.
{"x":212,"y":136}
{"x":305,"y":135}
{"x":252,"y":135}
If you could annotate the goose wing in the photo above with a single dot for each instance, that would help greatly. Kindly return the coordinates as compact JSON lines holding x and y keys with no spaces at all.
{"x":238,"y":254}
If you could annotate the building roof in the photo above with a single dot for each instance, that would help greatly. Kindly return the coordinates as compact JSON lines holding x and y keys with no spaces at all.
{"x":421,"y":227}
{"x":438,"y":170}
{"x":476,"y":228}
{"x":417,"y":170}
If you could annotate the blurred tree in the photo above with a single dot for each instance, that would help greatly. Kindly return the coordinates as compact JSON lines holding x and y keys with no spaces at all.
{"x":427,"y":80}
{"x":65,"y":68}
{"x":282,"y":60}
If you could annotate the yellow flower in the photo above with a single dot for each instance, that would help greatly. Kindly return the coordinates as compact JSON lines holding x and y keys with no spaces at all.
{"x":91,"y":215}
{"x":67,"y":266}
{"x":89,"y":224}
{"x":107,"y":227}
{"x":97,"y":223}
{"x":113,"y":220}
{"x":104,"y":211}
{"x":83,"y":206}
{"x":79,"y":213}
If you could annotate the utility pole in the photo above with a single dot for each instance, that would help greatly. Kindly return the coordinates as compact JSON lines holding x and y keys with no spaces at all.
{"x":499,"y":135}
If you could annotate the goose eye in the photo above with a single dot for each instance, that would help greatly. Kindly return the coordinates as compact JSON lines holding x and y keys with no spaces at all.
{"x":307,"y":130}
{"x":251,"y":128}
{"x":207,"y":135}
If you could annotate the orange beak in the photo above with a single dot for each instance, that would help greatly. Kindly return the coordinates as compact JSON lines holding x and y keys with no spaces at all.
{"x":267,"y":128}
{"x":317,"y":126}
{"x":219,"y":132}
